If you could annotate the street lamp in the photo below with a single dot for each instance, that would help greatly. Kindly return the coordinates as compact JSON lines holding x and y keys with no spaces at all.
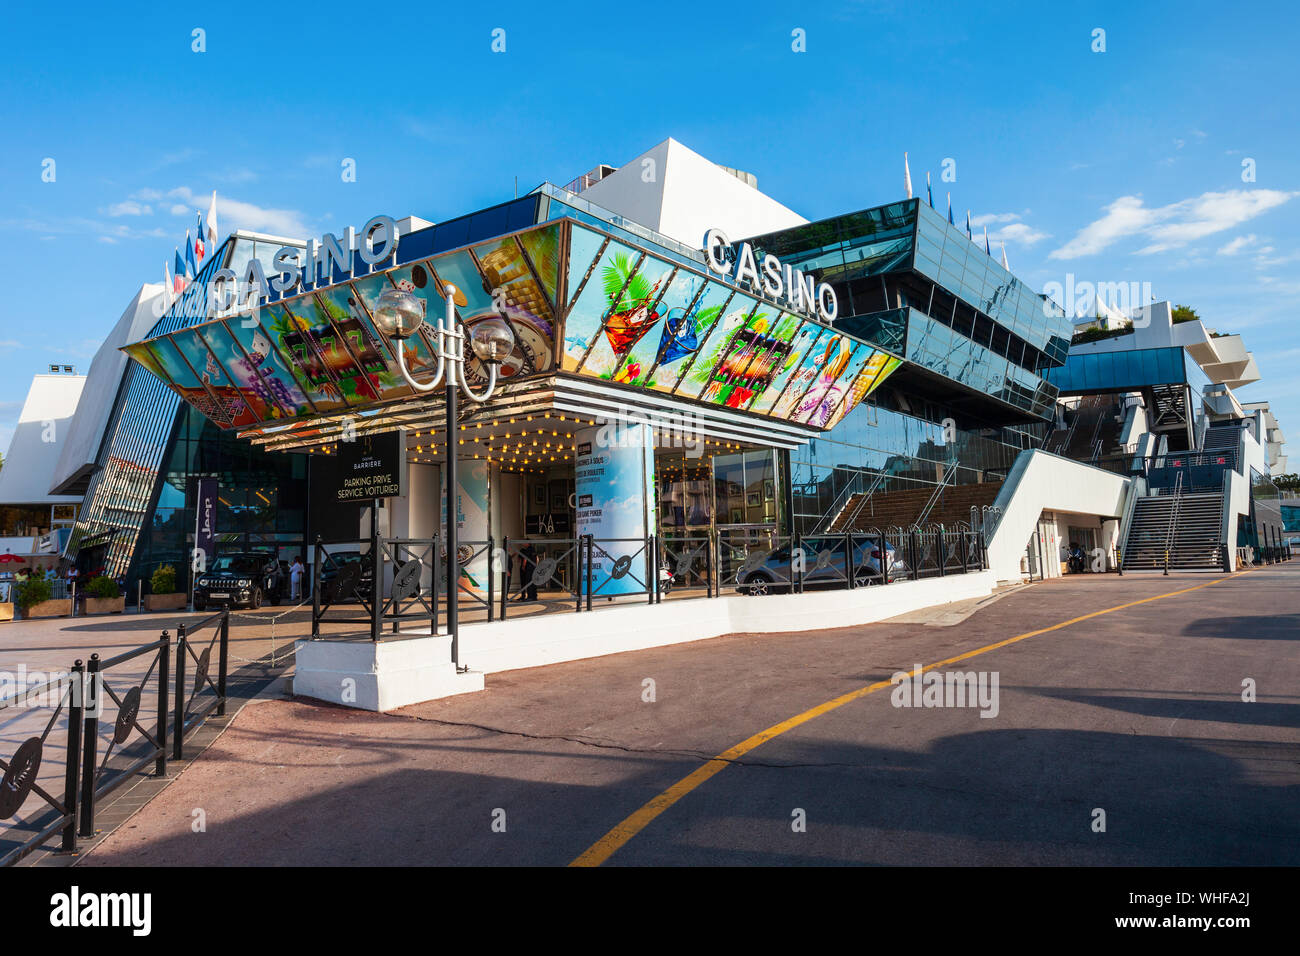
{"x":399,"y":314}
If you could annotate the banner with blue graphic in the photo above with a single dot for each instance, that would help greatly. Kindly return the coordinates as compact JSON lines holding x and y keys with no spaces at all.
{"x":614,"y":484}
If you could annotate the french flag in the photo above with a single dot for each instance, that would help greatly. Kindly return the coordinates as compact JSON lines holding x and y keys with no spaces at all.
{"x":178,"y":276}
{"x":198,"y":240}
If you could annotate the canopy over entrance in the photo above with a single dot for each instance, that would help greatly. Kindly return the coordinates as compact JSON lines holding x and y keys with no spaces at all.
{"x":606,"y":329}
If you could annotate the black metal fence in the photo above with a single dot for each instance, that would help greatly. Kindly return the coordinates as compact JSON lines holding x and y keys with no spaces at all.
{"x":498,"y":581}
{"x":409,"y":576}
{"x":113,"y":726}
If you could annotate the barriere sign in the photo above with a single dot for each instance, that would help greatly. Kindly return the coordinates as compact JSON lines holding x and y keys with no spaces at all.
{"x":372,"y":466}
{"x":771,"y":276}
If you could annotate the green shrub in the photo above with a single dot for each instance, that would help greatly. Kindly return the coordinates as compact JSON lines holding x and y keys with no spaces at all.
{"x":102,"y":587}
{"x":30,"y":591}
{"x":163,"y":580}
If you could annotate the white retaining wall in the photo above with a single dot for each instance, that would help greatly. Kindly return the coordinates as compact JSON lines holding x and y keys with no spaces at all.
{"x":552,"y":638}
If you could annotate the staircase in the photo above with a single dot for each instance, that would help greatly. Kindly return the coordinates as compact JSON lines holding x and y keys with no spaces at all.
{"x":1187,"y":525}
{"x":903,"y":508}
{"x":1222,"y":440}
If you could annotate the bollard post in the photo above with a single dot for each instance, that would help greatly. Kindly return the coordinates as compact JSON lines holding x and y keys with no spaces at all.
{"x":377,"y":580}
{"x":76,"y":717}
{"x":223,"y":659}
{"x":164,"y":659}
{"x":850,"y":569}
{"x":1166,"y":562}
{"x":590,"y":542}
{"x":709,"y":589}
{"x":139,"y":596}
{"x":317,"y":567}
{"x":797,"y":542}
{"x":178,"y":745}
{"x":89,"y":745}
{"x":505,"y":576}
{"x":492,"y":576}
{"x":653,"y":578}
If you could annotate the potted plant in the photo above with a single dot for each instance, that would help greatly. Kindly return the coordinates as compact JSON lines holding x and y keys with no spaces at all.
{"x":102,"y":596}
{"x":163,"y":595}
{"x":32,"y":594}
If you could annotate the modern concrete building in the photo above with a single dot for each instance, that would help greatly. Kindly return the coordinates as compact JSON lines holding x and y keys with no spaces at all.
{"x":698,"y":382}
{"x":35,"y":520}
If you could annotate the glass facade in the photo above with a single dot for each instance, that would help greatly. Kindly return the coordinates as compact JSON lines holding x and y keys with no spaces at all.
{"x":262,"y":500}
{"x":1095,"y":372}
{"x":910,"y":282}
{"x":946,"y":256}
{"x":883,"y":449}
{"x":130,"y":520}
{"x":946,"y":352}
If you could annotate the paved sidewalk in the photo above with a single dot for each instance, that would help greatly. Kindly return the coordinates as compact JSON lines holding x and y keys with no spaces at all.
{"x":1138,"y":711}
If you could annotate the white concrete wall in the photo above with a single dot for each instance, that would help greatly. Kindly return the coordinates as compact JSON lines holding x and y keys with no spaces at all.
{"x":1253,"y":453}
{"x":1238,"y":506}
{"x":552,"y":638}
{"x":42,"y":430}
{"x":1040,"y":482}
{"x":676,"y":191}
{"x":81,"y":446}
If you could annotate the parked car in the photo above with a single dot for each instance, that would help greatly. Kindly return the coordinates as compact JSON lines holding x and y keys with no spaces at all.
{"x":775,"y":573}
{"x":346,"y":576}
{"x":246,"y":579}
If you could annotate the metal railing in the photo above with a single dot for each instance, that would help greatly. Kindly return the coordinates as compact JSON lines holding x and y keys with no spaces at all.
{"x":525,"y":576}
{"x":57,"y":815}
{"x":949,"y":473}
{"x":108,"y":738}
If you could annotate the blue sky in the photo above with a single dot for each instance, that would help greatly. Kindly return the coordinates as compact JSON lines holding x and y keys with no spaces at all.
{"x":1115,"y":166}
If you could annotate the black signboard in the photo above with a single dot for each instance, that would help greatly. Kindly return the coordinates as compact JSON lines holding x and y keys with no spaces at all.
{"x":554,"y":523}
{"x":368,"y":467}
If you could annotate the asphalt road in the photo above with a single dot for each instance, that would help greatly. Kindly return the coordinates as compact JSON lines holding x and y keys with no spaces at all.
{"x":1137,"y":712}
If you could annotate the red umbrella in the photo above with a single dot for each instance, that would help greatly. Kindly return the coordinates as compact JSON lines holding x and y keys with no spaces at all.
{"x":7,"y":557}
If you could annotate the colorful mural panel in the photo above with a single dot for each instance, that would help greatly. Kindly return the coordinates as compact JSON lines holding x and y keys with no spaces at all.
{"x":632,"y":318}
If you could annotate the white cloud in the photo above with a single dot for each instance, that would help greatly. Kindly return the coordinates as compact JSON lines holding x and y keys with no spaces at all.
{"x":989,"y":218}
{"x":1018,"y":232}
{"x":1266,"y":260}
{"x":236,"y":214}
{"x":1173,"y":225}
{"x":129,"y":207}
{"x":1014,"y":230}
{"x":78,"y":225}
{"x":179,"y":209}
{"x":1236,"y":245}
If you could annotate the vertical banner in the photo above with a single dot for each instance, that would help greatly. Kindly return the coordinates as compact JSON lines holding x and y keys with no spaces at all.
{"x":614,"y":482}
{"x":471,"y":522}
{"x":205,"y":524}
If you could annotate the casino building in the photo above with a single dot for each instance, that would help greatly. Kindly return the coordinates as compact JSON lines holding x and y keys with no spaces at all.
{"x":875,"y":368}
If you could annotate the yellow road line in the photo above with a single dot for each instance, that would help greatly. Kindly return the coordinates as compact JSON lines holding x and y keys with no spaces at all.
{"x":611,"y":842}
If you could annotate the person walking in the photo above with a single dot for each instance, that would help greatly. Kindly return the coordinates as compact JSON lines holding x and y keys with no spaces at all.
{"x":295,"y":579}
{"x":528,"y":562}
